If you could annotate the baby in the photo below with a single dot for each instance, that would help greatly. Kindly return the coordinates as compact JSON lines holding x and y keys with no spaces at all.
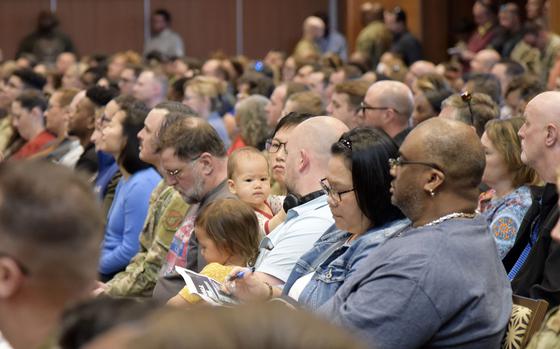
{"x":249,"y":179}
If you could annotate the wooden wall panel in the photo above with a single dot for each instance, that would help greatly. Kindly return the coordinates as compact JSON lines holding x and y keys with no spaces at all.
{"x":103,"y":26}
{"x":17,"y":19}
{"x":205,"y":25}
{"x":276,"y":24}
{"x":435,"y":40}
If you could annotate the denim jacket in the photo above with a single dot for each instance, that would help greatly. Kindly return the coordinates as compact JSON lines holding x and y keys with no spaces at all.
{"x":332,"y":260}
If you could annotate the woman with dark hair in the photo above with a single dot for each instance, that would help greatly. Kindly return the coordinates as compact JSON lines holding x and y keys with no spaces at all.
{"x":130,"y":205}
{"x":357,"y":185}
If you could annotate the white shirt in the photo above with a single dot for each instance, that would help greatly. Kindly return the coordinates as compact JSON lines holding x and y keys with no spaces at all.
{"x":282,"y":248}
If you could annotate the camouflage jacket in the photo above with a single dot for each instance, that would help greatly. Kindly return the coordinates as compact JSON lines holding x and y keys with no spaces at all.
{"x":548,"y":337}
{"x":166,"y":212}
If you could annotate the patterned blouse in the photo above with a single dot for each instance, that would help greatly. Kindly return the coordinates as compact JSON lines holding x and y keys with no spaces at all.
{"x":505,"y":214}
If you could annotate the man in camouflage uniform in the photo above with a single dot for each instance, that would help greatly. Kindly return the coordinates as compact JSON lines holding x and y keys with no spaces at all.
{"x":166,"y":212}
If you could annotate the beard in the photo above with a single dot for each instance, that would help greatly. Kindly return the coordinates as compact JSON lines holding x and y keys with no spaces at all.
{"x":195,"y":194}
{"x":408,"y":199}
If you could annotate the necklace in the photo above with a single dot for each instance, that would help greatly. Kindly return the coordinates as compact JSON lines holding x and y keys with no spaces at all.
{"x":448,"y":217}
{"x":441,"y":220}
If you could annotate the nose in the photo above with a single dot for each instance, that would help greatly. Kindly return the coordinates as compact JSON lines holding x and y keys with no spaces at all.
{"x":521,"y":132}
{"x":393,"y":171}
{"x":329,"y":109}
{"x":170,"y":180}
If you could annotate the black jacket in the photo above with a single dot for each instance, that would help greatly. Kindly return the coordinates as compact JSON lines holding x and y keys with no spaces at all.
{"x":539,"y":277}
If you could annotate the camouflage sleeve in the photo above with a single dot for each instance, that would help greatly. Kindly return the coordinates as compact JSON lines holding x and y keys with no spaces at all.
{"x":139,"y":278}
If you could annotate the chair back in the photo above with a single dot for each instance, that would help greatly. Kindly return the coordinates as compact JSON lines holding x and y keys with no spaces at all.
{"x":526,"y":318}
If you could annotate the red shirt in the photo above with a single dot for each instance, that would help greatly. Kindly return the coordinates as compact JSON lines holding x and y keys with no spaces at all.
{"x":33,"y":146}
{"x":237,"y":143}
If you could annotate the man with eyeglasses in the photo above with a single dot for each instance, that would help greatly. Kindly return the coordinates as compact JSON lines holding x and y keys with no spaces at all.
{"x":388,"y":105}
{"x":49,"y":249}
{"x":439,"y":280}
{"x":194,"y":162}
{"x":307,"y":152}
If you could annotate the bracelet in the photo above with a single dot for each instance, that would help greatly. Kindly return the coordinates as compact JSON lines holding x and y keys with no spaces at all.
{"x":270,"y":291}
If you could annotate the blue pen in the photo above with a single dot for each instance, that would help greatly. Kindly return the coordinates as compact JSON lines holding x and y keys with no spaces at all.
{"x":241,"y":274}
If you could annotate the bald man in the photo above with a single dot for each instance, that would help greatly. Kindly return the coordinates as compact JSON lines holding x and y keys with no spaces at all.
{"x":533,"y":263}
{"x":419,"y":69}
{"x":484,"y":60}
{"x":308,"y":215}
{"x":441,"y":274}
{"x":388,"y":105}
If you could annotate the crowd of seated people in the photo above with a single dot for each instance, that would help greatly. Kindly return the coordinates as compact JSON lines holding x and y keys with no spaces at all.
{"x":381,"y":199}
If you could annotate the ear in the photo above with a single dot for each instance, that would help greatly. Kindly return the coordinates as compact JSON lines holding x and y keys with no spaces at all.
{"x":389,"y":115}
{"x":11,"y":277}
{"x":303,"y":162}
{"x":435,"y":181}
{"x":551,"y":135}
{"x":207,"y":163}
{"x":231,"y":186}
{"x":37,"y":113}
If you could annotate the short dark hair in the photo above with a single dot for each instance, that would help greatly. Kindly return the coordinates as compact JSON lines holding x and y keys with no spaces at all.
{"x":191,"y":137}
{"x":100,"y":95}
{"x":52,"y":211}
{"x":30,"y":78}
{"x":513,"y":68}
{"x":164,"y":13}
{"x":133,"y":122}
{"x":32,"y":99}
{"x":291,"y":120}
{"x":366,"y":152}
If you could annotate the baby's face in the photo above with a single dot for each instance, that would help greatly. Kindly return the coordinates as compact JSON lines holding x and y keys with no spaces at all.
{"x":251,"y":181}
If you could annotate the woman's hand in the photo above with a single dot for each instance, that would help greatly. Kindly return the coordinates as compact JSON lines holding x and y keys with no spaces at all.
{"x":247,"y":286}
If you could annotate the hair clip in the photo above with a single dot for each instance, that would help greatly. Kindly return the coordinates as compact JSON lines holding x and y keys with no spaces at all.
{"x":345,"y":142}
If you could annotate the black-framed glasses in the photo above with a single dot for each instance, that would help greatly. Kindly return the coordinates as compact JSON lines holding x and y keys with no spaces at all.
{"x":333,"y":194}
{"x":401,"y":162}
{"x":176,"y":173}
{"x":273,"y":146}
{"x":23,"y":268}
{"x":467,"y":97}
{"x":364,"y":106}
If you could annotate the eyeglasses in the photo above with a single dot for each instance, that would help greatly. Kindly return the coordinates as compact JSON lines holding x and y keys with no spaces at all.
{"x":401,"y":162}
{"x":333,"y":194}
{"x":364,"y":106}
{"x":467,"y":97}
{"x":23,"y":268}
{"x":176,"y":173}
{"x":273,"y":146}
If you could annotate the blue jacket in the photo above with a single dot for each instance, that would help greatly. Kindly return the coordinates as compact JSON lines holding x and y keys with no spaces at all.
{"x":332,"y":260}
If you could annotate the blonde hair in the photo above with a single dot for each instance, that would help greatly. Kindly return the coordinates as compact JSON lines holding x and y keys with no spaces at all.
{"x":252,"y":120}
{"x":207,"y":86}
{"x":242,"y":153}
